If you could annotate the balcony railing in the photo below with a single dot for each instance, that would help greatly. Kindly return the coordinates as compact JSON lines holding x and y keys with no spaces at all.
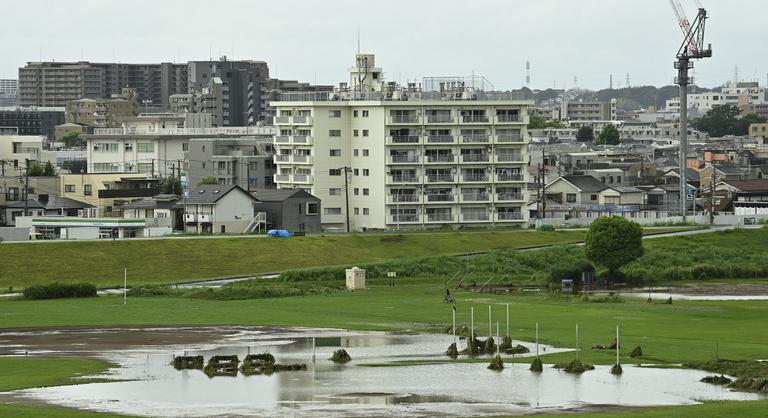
{"x":474,"y":138}
{"x":282,"y":178}
{"x":474,"y":197}
{"x":474,"y":119}
{"x":405,"y":179}
{"x":505,"y":158}
{"x":439,"y":178}
{"x":282,"y":119}
{"x":404,"y":198}
{"x":471,"y":217}
{"x":404,"y":139}
{"x":440,"y":139}
{"x":404,"y":218}
{"x":302,"y":178}
{"x":509,"y":216}
{"x":404,"y":119}
{"x":282,"y":158}
{"x":508,"y":138}
{"x":439,"y":119}
{"x":302,"y":139}
{"x":116,"y":193}
{"x":440,"y":158}
{"x":509,"y":177}
{"x":475,"y":177}
{"x":507,"y":118}
{"x":509,"y":196}
{"x":474,"y":158}
{"x":403,"y":158}
{"x":302,"y":159}
{"x":439,"y":198}
{"x":302,"y":119}
{"x":439,"y":217}
{"x":282,"y":139}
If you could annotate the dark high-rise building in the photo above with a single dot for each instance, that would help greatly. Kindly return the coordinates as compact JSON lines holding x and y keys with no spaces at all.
{"x":244,"y":88}
{"x":39,"y":121}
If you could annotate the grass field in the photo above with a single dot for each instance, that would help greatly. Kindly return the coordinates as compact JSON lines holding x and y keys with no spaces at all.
{"x":29,"y":372}
{"x":174,"y":260}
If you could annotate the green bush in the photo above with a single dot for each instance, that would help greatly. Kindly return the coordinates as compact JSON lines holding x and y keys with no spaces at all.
{"x":60,"y":291}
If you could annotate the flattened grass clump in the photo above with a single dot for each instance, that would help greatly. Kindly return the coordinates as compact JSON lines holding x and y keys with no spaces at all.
{"x":616,"y":369}
{"x":536,"y":365}
{"x":751,"y":376}
{"x":575,"y":367}
{"x":60,"y":291}
{"x":461,"y":330}
{"x":222,"y":366}
{"x":497,"y":364}
{"x":452,"y":352}
{"x":341,"y":356}
{"x":716,"y":380}
{"x":188,"y":362}
{"x":518,"y":349}
{"x":636,"y":352}
{"x":506,"y":343}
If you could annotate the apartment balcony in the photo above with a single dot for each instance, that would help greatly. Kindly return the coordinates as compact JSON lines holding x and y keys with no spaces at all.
{"x":205,"y":218}
{"x":440,"y":119}
{"x":302,"y":120}
{"x":509,"y":158}
{"x":404,"y":219}
{"x":282,"y":158}
{"x":119,"y":193}
{"x":403,"y":179}
{"x":190,"y":218}
{"x":282,"y":139}
{"x":441,"y":139}
{"x":439,"y":178}
{"x":509,"y":197}
{"x":475,"y":197}
{"x":282,"y":178}
{"x":302,"y":159}
{"x":475,"y":178}
{"x":509,"y":216}
{"x":303,"y":178}
{"x":403,"y":159}
{"x":404,"y":199}
{"x":282,"y":120}
{"x":509,"y":178}
{"x":474,"y":119}
{"x":403,"y":119}
{"x":509,"y":119}
{"x":475,"y":217}
{"x":440,"y":217}
{"x":475,"y":158}
{"x":509,"y":139}
{"x":403,"y":140}
{"x":441,"y":159}
{"x":439,"y":198}
{"x":301,"y":140}
{"x":475,"y":139}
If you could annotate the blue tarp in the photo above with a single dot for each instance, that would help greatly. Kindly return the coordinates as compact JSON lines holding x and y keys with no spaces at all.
{"x":279,"y":233}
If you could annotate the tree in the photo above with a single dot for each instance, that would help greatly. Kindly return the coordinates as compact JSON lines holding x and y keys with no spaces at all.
{"x":537,"y":122}
{"x":170,"y":185}
{"x":72,"y":139}
{"x":613,"y":241}
{"x":742,"y":125}
{"x":34,"y":169}
{"x":48,"y":170}
{"x":719,"y":121}
{"x":208,"y":180}
{"x":585,"y":134}
{"x":609,"y":135}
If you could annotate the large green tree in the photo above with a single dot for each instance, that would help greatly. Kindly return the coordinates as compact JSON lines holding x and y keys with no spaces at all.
{"x":34,"y":169}
{"x":538,"y":122}
{"x":742,"y":125}
{"x":719,"y":121}
{"x":209,"y":180}
{"x":170,"y":185}
{"x":48,"y":169}
{"x":585,"y":134}
{"x":613,"y":241}
{"x":609,"y":135}
{"x":72,"y":139}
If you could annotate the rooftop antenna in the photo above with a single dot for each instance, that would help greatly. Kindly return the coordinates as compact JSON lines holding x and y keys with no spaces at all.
{"x":610,"y":83}
{"x":528,"y":73}
{"x":358,"y":40}
{"x":628,"y":85}
{"x":735,"y":74}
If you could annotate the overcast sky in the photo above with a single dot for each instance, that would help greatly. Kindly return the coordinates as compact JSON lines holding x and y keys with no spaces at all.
{"x":315,"y":40}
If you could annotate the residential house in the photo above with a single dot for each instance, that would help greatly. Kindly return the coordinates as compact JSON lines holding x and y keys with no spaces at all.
{"x":48,"y":206}
{"x":743,"y":197}
{"x":291,"y":209}
{"x":160,"y":211}
{"x":108,"y":192}
{"x":225,"y":209}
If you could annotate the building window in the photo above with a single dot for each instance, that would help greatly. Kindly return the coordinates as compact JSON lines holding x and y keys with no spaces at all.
{"x":334,"y":133}
{"x":366,"y":211}
{"x":145,"y":167}
{"x":185,"y":146}
{"x":366,"y":192}
{"x":332,"y":211}
{"x":570,"y":197}
{"x":593,"y":197}
{"x":127,"y":147}
{"x":105,"y":147}
{"x":366,"y":172}
{"x":356,"y":172}
{"x":354,"y":113}
{"x":356,"y":152}
{"x":312,"y":208}
{"x":335,"y":153}
{"x":365,"y":132}
{"x":365,"y":113}
{"x":145,"y":147}
{"x":356,"y":133}
{"x":356,"y":191}
{"x":87,"y":189}
{"x":357,"y":211}
{"x":69,"y":188}
{"x":334,"y":113}
{"x":365,"y":153}
{"x":106,"y":167}
{"x":335,"y":191}
{"x":334,"y":172}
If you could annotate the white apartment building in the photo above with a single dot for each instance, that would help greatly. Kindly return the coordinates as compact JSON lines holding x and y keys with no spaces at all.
{"x":155,"y":144}
{"x":737,"y":94}
{"x":412,"y":158}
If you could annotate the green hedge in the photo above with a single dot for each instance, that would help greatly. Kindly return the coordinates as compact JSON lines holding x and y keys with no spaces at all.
{"x":60,"y":290}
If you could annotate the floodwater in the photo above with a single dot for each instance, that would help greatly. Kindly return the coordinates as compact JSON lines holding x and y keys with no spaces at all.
{"x":680,"y":296}
{"x":327,"y":389}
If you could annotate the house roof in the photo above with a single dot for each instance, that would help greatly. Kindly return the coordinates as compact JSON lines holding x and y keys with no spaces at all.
{"x":53,"y":202}
{"x":750,"y":186}
{"x":211,"y":193}
{"x":279,"y":195}
{"x":730,"y":169}
{"x":164,"y":201}
{"x":585,"y":183}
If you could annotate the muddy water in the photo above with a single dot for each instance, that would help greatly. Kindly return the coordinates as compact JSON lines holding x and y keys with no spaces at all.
{"x":327,"y":389}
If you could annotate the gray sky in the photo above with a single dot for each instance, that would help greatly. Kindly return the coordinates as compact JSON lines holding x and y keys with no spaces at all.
{"x":316,"y":39}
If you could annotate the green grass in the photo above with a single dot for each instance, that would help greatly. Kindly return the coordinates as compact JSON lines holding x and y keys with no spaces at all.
{"x":723,"y":409}
{"x":29,"y":372}
{"x":24,"y":411}
{"x":174,"y":260}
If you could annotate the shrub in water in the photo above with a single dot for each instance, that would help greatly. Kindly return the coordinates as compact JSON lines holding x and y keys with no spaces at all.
{"x":496,"y":364}
{"x":452,"y":352}
{"x":518,"y":349}
{"x":60,"y":290}
{"x":576,"y":367}
{"x":506,"y":343}
{"x":536,"y":365}
{"x":616,"y":369}
{"x":716,"y":380}
{"x":341,"y":356}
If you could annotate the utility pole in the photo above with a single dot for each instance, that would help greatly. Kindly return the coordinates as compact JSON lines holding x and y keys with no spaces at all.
{"x":152,"y":170}
{"x":347,"y":170}
{"x":26,"y":188}
{"x":712,"y":198}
